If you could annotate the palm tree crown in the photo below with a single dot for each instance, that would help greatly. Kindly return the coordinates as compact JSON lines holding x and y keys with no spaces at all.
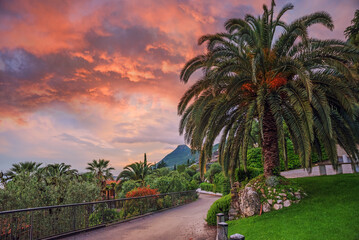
{"x":101,"y":169}
{"x":58,"y":173}
{"x":294,"y":81}
{"x":136,"y":171}
{"x":23,"y":167}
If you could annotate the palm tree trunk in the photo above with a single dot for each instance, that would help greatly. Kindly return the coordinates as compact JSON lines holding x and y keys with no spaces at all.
{"x":270,"y":149}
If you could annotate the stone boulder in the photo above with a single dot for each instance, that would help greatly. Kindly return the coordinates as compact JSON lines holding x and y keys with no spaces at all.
{"x":250,"y":203}
{"x":266,"y":207}
{"x":277,"y":206}
{"x":287,"y":203}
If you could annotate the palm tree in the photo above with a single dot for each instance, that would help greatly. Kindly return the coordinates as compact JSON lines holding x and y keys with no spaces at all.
{"x":22,"y":167}
{"x":57,"y":174}
{"x":136,"y":171}
{"x":352,"y":32}
{"x":101,"y":170}
{"x":292,"y":81}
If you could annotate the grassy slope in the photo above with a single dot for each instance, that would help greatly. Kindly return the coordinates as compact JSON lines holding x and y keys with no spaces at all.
{"x":329,"y":212}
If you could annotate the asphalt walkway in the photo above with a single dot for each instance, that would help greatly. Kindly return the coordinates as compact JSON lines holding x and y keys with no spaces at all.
{"x":182,"y":223}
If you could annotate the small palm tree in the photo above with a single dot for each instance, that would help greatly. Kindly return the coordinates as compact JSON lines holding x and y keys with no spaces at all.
{"x":101,"y":171}
{"x":250,"y":76}
{"x":22,"y":167}
{"x":136,"y":171}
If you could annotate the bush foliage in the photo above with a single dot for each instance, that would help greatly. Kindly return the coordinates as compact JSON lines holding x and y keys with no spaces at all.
{"x":207,"y":186}
{"x":141,"y":191}
{"x":219,"y":206}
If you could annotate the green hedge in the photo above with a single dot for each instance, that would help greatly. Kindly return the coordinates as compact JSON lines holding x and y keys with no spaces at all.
{"x":220,"y":206}
{"x":207,"y":187}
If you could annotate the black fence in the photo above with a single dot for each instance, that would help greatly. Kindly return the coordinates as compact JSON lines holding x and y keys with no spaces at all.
{"x":54,"y":221}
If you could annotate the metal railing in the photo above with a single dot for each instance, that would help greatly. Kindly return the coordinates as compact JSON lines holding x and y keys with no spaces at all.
{"x":54,"y":221}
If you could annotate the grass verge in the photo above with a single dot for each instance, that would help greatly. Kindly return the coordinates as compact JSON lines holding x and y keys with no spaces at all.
{"x":329,"y":212}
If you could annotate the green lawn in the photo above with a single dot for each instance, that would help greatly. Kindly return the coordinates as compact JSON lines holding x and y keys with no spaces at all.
{"x":331,"y":211}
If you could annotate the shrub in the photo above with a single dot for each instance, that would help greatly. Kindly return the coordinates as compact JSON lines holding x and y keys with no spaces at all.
{"x":219,"y":206}
{"x":167,"y":201}
{"x":251,"y":173}
{"x":193,"y":185}
{"x":207,"y":187}
{"x":104,"y":216}
{"x":272,"y":181}
{"x":126,"y":187}
{"x":141,"y":191}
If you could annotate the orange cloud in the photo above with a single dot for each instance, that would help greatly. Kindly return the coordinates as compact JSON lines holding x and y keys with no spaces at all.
{"x":100,"y":79}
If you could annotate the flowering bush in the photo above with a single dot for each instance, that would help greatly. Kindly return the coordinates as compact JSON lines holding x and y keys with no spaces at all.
{"x":141,"y":191}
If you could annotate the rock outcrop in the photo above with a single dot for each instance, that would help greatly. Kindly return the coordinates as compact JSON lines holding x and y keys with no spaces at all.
{"x":250,"y":204}
{"x":256,"y":198}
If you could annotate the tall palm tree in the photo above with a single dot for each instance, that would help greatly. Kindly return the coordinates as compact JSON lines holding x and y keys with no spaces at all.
{"x":291,"y":80}
{"x":101,"y":170}
{"x":136,"y":171}
{"x":22,"y":167}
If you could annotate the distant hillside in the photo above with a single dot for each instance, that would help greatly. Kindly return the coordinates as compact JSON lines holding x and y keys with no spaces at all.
{"x":180,"y":156}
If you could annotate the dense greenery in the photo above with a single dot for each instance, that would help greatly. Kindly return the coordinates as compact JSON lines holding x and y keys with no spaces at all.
{"x":54,"y":184}
{"x":329,"y":212}
{"x":219,"y":206}
{"x":28,"y":184}
{"x":294,"y":82}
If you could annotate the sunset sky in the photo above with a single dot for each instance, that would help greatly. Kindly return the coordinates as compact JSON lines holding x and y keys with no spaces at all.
{"x":82,"y":80}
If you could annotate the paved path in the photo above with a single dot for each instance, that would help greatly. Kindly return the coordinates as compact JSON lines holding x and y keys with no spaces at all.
{"x":182,"y":223}
{"x":315,"y":171}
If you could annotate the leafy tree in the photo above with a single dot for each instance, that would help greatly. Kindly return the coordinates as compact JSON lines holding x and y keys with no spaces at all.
{"x":127,"y":186}
{"x":191,"y":172}
{"x":161,"y":164}
{"x":136,"y":171}
{"x":213,"y":170}
{"x":180,"y":168}
{"x":294,"y":80}
{"x":174,"y":182}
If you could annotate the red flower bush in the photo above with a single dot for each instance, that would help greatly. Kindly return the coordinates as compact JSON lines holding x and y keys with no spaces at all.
{"x":141,"y":191}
